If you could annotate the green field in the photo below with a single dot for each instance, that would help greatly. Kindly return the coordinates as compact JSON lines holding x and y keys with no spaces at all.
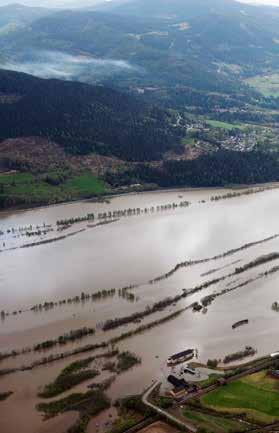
{"x":225,"y":125}
{"x":85,"y":184}
{"x":16,"y":178}
{"x":212,"y":378}
{"x":268,"y":85}
{"x":212,"y":424}
{"x":25,"y":189}
{"x":257,"y":396}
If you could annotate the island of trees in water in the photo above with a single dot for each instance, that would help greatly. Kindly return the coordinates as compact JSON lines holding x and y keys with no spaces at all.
{"x":91,"y":402}
{"x":275,"y":306}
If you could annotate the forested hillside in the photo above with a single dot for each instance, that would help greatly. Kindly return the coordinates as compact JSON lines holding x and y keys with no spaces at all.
{"x":84,"y":119}
{"x":218,"y":169}
{"x":150,"y":92}
{"x":158,"y":51}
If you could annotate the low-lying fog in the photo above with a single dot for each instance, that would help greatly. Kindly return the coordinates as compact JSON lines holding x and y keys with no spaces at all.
{"x":56,"y":64}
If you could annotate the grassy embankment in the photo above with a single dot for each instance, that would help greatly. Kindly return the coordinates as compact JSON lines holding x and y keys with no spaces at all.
{"x":26,"y":189}
{"x":211,"y":423}
{"x":256,"y":395}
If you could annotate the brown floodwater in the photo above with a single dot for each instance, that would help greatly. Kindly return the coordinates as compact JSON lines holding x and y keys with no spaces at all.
{"x":133,"y":251}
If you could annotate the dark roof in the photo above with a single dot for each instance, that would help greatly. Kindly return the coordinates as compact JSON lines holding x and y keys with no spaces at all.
{"x":177,"y":383}
{"x":184,"y":353}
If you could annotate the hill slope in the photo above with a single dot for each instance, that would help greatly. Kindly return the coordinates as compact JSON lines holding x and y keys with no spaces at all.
{"x":83,"y":119}
{"x":186,"y":49}
{"x":16,"y":16}
{"x":186,"y":9}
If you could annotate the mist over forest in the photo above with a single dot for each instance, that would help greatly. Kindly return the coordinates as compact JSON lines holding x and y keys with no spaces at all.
{"x":56,"y":64}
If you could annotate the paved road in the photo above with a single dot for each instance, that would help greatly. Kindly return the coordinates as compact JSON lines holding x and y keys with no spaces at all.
{"x":163,"y":412}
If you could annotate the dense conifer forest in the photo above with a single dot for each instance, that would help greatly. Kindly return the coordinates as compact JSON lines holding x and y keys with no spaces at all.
{"x":84,"y":118}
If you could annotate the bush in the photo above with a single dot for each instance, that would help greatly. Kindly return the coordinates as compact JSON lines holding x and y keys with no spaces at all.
{"x":165,"y":402}
{"x":126,"y":360}
{"x":212,"y":363}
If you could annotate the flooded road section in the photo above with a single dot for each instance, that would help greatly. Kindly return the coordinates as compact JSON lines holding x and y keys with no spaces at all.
{"x":226,"y":248}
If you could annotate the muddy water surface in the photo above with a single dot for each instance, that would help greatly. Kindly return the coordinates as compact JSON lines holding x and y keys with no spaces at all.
{"x":133,"y":251}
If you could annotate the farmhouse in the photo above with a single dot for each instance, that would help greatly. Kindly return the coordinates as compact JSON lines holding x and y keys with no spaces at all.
{"x":179,"y":386}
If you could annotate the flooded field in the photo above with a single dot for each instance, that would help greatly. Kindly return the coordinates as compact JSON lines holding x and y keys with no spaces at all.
{"x":226,"y":248}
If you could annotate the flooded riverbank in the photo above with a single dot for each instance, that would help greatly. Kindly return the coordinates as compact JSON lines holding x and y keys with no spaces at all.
{"x":134,"y":252}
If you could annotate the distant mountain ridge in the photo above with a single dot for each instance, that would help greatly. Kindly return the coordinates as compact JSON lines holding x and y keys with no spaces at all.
{"x":16,"y":16}
{"x":186,"y":9}
{"x":166,"y":42}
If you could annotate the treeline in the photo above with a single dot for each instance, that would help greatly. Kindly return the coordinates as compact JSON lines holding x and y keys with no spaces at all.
{"x":93,"y":347}
{"x":68,"y":337}
{"x":217,"y":257}
{"x":138,"y":316}
{"x":71,"y":336}
{"x":235,"y":194}
{"x":111,"y":215}
{"x":207,"y":300}
{"x":259,"y":261}
{"x":218,"y":169}
{"x":103,"y":294}
{"x":236,"y":356}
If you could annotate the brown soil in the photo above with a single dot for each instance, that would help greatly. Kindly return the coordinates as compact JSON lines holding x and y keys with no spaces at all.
{"x":37,"y":153}
{"x":40,"y":155}
{"x":159,"y":427}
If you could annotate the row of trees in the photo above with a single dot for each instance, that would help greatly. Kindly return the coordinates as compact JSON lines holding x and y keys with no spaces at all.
{"x":122,"y":213}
